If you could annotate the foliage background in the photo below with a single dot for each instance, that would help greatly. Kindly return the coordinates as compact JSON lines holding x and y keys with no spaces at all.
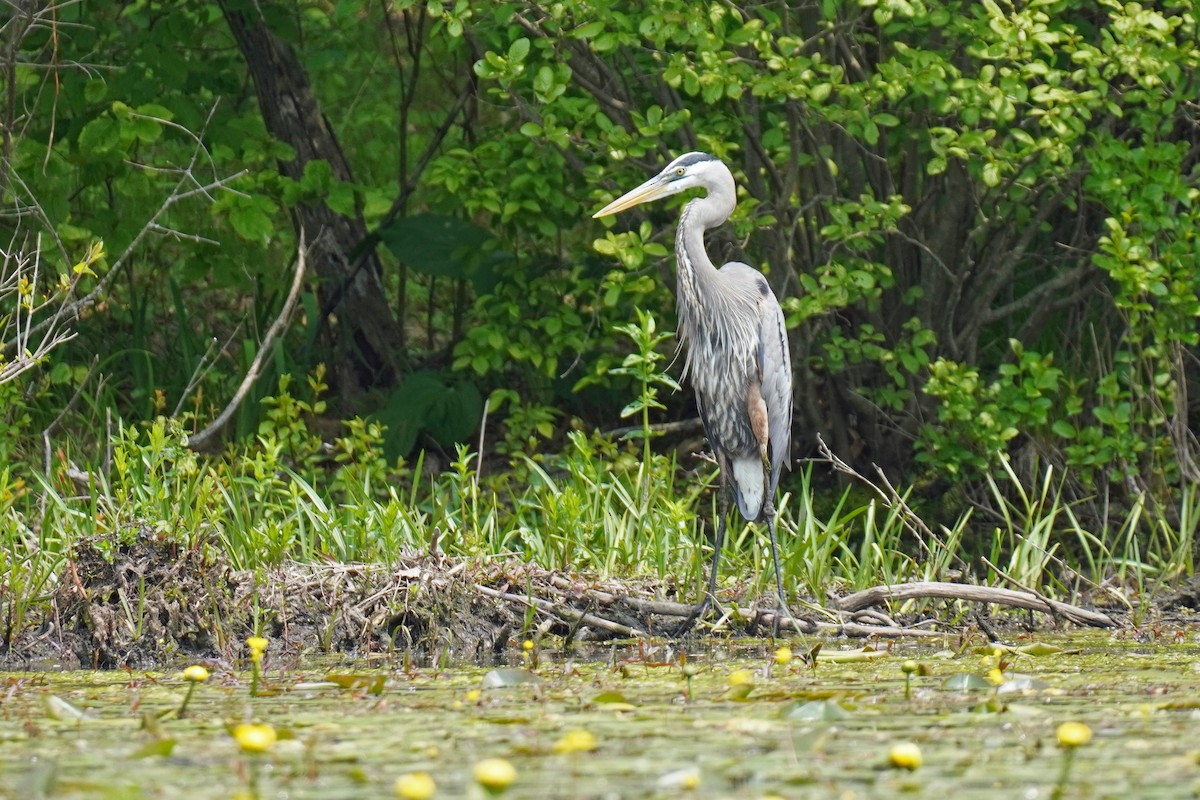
{"x":980,"y":218}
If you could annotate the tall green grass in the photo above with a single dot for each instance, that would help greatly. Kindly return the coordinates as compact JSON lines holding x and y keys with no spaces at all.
{"x":597,"y":507}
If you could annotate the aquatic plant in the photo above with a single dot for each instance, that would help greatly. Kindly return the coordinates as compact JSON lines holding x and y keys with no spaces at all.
{"x":415,"y":786}
{"x":194,"y":675}
{"x":908,"y":667}
{"x":258,"y":646}
{"x":1070,"y":736}
{"x":905,"y":755}
{"x":495,"y":775}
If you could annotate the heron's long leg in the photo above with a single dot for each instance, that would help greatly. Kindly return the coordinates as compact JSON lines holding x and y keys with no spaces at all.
{"x":783,"y":604}
{"x":723,"y":512}
{"x":710,"y":596}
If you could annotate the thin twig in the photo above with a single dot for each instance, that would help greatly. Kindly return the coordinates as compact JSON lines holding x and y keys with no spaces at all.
{"x":564,"y":613}
{"x":199,"y":440}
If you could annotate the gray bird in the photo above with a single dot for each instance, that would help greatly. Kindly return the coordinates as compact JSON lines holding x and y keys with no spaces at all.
{"x":737,"y":351}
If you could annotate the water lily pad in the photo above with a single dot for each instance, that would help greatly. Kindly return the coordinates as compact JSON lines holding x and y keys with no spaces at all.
{"x":57,"y":708}
{"x":1015,"y":682}
{"x":506,"y":677}
{"x":738,"y":692}
{"x":1043,"y":649}
{"x":966,"y":682}
{"x":363,"y":682}
{"x":687,"y":778}
{"x":613,"y":700}
{"x":158,"y":747}
{"x":816,"y":711}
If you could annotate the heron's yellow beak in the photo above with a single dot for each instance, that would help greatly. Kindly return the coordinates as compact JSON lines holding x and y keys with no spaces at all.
{"x":650,"y":190}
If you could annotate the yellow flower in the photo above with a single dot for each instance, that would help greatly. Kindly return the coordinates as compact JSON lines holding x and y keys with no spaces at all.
{"x":741,"y":677}
{"x":473,"y":696}
{"x":254,"y":738}
{"x":995,"y":676}
{"x":527,"y":645}
{"x":258,"y":646}
{"x":1073,"y":734}
{"x":494,"y":774}
{"x":905,"y":755}
{"x":195,"y":673}
{"x":575,"y":741}
{"x":783,"y":656}
{"x":415,"y":786}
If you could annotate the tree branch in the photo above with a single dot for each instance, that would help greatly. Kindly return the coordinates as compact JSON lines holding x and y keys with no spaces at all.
{"x":201,"y":440}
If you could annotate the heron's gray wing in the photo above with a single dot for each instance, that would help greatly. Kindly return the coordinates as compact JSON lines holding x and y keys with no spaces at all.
{"x":775,"y":367}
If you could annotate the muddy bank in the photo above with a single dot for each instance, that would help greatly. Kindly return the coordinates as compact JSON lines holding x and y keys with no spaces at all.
{"x":154,"y":603}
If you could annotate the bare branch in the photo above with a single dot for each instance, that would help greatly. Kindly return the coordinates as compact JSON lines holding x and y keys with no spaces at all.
{"x":200,"y":440}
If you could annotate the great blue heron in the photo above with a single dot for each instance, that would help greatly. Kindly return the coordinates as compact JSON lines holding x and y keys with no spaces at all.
{"x":737,"y":351}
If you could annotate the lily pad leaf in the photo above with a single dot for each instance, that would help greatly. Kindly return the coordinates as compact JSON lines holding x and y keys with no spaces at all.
{"x":686,"y":778}
{"x":739,"y":693}
{"x":1014,"y":682}
{"x":57,"y":708}
{"x":816,"y":711}
{"x":1043,"y":649}
{"x":966,"y":682}
{"x":609,"y":697}
{"x":503,"y":678}
{"x":159,"y":747}
{"x":372,"y":684}
{"x":314,"y":686}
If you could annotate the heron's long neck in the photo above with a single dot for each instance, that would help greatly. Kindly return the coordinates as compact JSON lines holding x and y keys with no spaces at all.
{"x":697,"y":277}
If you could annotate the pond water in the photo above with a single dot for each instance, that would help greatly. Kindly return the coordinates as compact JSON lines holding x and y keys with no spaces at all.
{"x":630,"y":723}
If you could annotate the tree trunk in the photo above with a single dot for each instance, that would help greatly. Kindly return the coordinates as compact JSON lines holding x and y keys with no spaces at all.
{"x":362,"y":333}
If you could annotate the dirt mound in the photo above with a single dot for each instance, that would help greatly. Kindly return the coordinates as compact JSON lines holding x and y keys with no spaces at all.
{"x":140,"y":604}
{"x":153,"y":602}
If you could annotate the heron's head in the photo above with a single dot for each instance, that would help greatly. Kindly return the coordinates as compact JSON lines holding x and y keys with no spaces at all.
{"x":689,"y":171}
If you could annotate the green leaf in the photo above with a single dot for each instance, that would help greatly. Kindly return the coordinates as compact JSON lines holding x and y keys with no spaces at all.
{"x":157,"y":747}
{"x":605,"y":247}
{"x":95,"y":91}
{"x":991,"y":174}
{"x":1064,"y":429}
{"x":341,"y":199}
{"x":518,"y":50}
{"x":589,"y":30}
{"x":157,"y":111}
{"x":437,"y":244}
{"x":252,"y":223}
{"x":100,"y":136}
{"x":444,"y":407}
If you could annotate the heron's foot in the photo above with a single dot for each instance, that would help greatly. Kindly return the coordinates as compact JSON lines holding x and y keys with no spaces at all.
{"x":784,"y":612}
{"x":699,"y":611}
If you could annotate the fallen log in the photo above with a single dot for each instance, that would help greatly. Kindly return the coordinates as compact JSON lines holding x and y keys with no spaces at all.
{"x":974,"y":594}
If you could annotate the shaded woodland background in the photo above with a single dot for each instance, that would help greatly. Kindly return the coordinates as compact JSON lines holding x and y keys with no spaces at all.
{"x":980,"y":217}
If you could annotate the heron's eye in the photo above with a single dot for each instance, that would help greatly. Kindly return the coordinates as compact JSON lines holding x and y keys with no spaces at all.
{"x":679,"y":171}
